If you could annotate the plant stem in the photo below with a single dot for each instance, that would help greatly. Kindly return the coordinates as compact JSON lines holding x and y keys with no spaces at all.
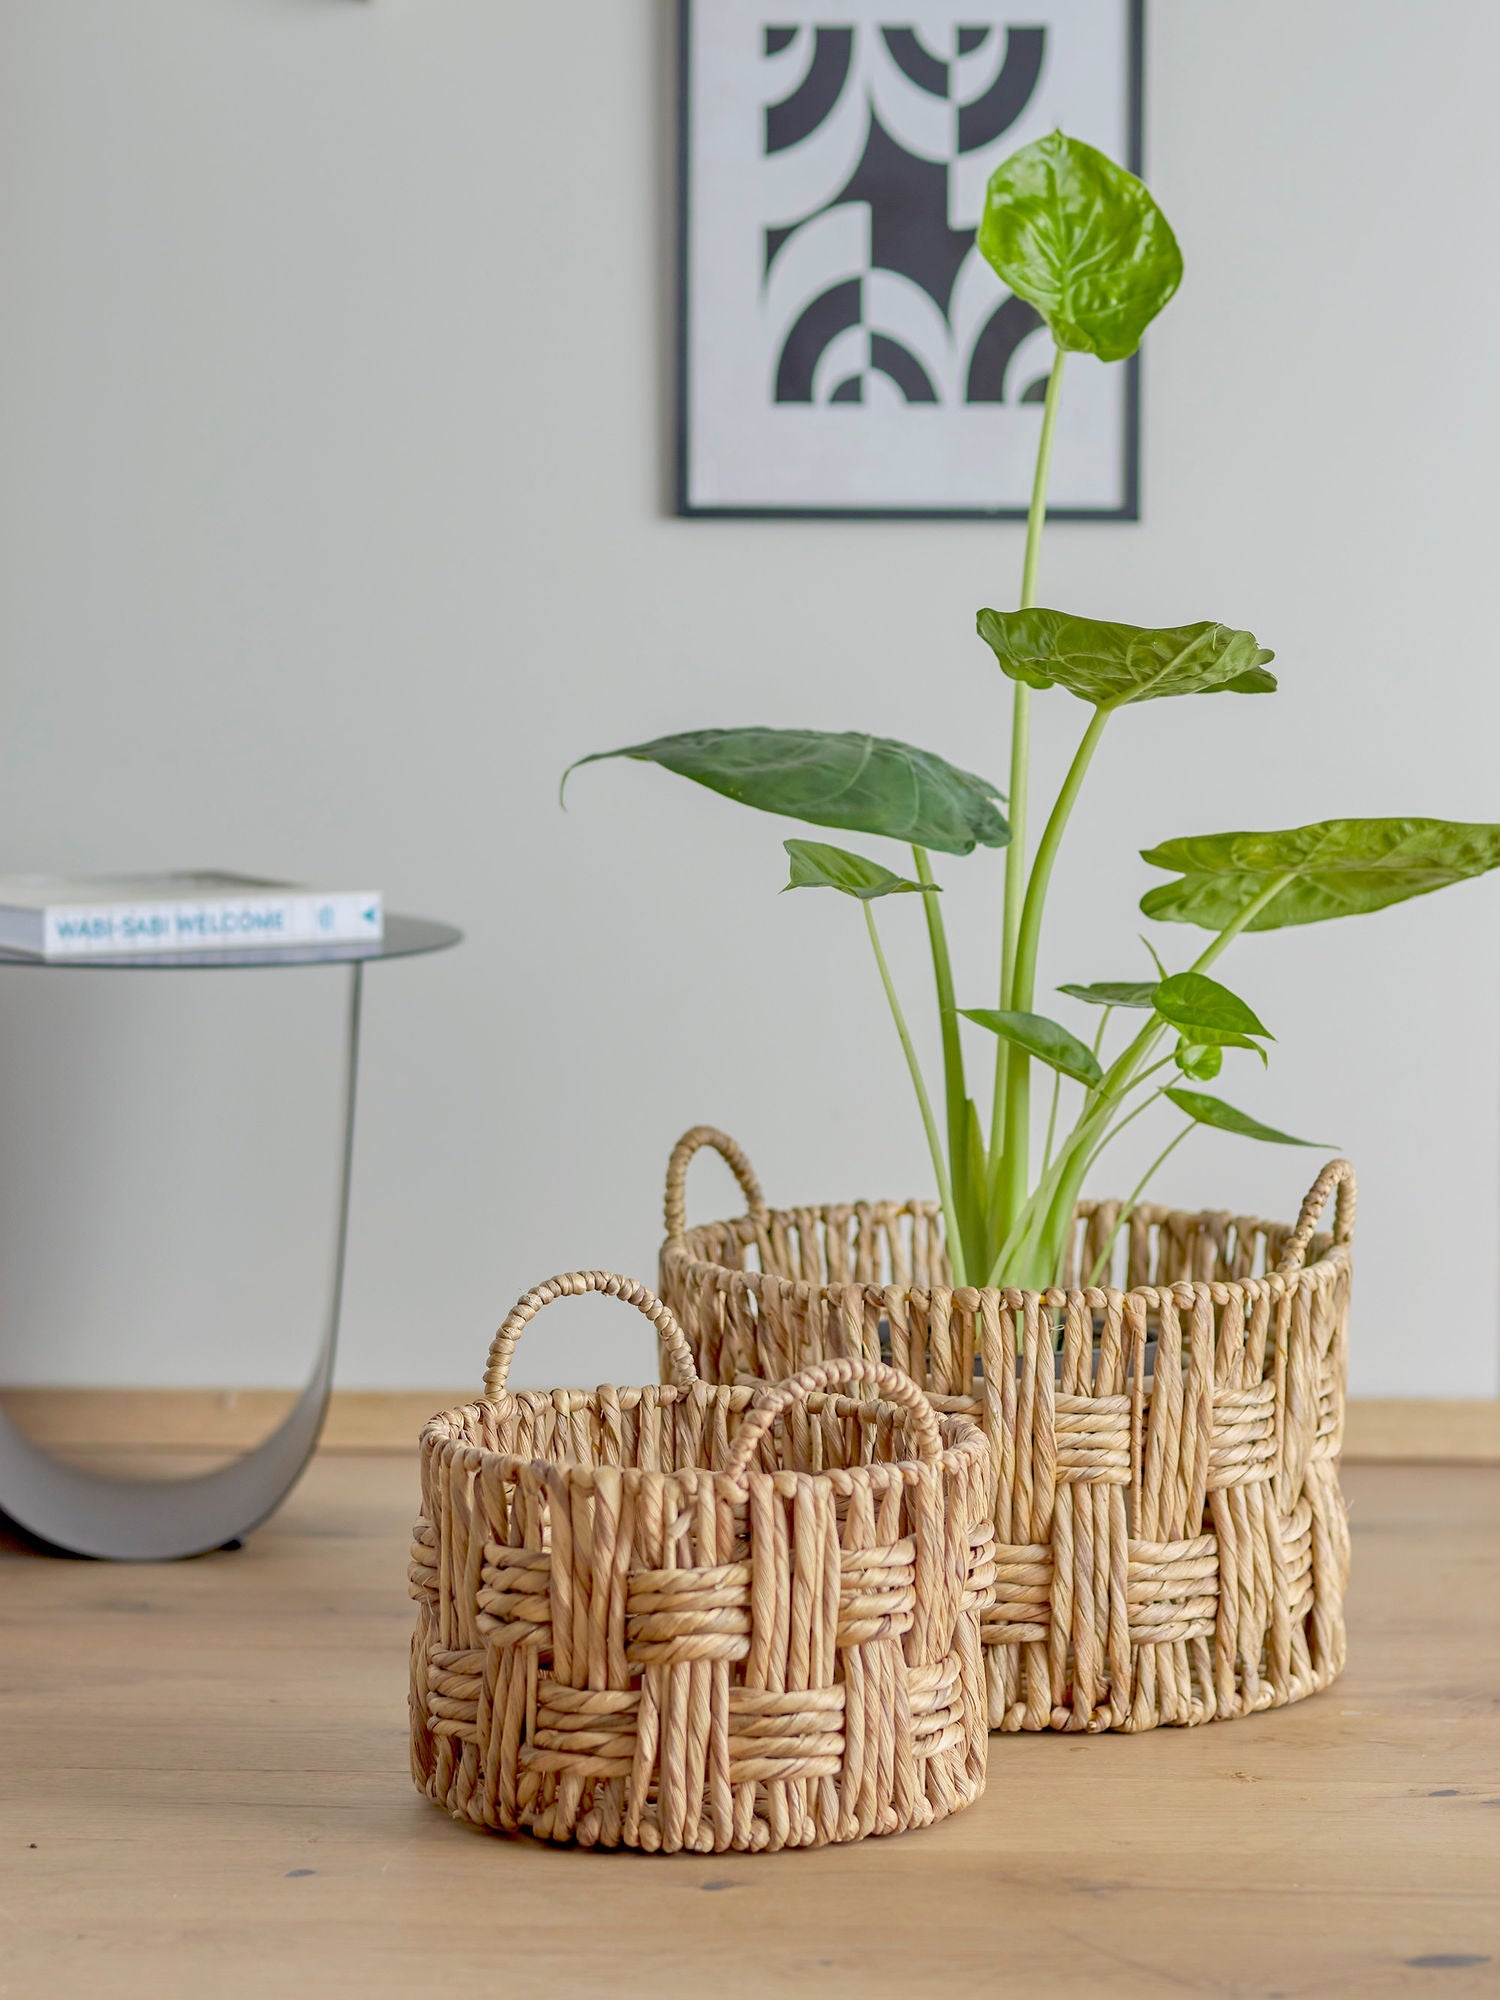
{"x":1020,"y":1231}
{"x":1015,"y":1175}
{"x":1054,"y":1171}
{"x":1036,"y":513}
{"x":1103,"y":1024}
{"x":1102,"y":1260}
{"x":929,"y":1123}
{"x":1079,"y":1151}
{"x":1052,"y":1119}
{"x":954,"y":1093}
{"x":1246,"y":916}
{"x":1023,"y":984}
{"x":1020,"y":733}
{"x":1118,"y":1127}
{"x":1121,"y":1072}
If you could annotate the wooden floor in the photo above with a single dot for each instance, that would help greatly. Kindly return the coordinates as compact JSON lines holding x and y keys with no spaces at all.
{"x":203,"y":1790}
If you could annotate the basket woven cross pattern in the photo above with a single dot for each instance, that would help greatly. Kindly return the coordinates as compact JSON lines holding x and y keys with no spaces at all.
{"x":689,"y":1616}
{"x":1171,"y":1538}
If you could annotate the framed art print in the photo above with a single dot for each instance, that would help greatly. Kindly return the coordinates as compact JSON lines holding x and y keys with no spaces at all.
{"x":843,"y":348}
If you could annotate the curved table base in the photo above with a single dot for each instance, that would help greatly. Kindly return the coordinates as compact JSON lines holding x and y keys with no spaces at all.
{"x":139,"y":1520}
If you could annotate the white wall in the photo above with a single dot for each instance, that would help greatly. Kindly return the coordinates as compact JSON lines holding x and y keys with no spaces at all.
{"x":333,"y":415}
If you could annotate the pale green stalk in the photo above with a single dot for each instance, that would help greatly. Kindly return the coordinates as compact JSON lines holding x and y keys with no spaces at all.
{"x":1122,"y":1070}
{"x":1017,"y":1141}
{"x":1024,"y":970}
{"x":1086,"y":1130}
{"x":1052,"y":1119}
{"x":954,"y":1092}
{"x":1101,"y":1262}
{"x":1125,"y":1071}
{"x":1145,"y":1104}
{"x":1103,"y":1024}
{"x":1022,"y":1227}
{"x":929,"y":1123}
{"x":1231,"y":931}
{"x":1020,"y":739}
{"x":1030,"y":1256}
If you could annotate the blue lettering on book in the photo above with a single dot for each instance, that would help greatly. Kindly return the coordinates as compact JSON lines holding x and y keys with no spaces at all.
{"x":229,"y":923}
{"x":85,"y":927}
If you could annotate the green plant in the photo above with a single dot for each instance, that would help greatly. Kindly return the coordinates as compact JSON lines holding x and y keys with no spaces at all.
{"x":1085,"y":243}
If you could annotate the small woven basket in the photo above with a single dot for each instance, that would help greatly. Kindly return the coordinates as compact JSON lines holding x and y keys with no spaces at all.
{"x":696,"y":1616}
{"x":1172,"y":1543}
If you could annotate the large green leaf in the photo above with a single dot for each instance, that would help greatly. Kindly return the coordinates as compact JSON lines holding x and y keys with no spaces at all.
{"x":1083,"y":241}
{"x":1049,"y":1041}
{"x":1110,"y":664}
{"x":1115,"y":993}
{"x":1205,"y":1110}
{"x":861,"y":784}
{"x":817,"y":866}
{"x":1192,"y":1002}
{"x":1337,"y":868}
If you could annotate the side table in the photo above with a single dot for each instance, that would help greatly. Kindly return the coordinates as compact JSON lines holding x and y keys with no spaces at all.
{"x":136,"y":1520}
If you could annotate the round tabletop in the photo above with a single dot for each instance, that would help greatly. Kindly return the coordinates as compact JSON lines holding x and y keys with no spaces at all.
{"x":405,"y":937}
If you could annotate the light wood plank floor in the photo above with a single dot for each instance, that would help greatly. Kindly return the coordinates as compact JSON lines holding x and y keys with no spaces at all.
{"x":203,"y":1791}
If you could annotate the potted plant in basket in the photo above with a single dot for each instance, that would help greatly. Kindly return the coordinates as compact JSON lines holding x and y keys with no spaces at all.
{"x":1172,"y":1535}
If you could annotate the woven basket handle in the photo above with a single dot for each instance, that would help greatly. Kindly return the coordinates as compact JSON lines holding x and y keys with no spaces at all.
{"x":572,"y":1284}
{"x":677,"y":1166}
{"x":1337,"y":1174}
{"x":892,"y":1384}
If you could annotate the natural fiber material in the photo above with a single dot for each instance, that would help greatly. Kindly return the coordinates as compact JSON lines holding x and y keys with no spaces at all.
{"x":700,"y":1617}
{"x":1171,"y":1538}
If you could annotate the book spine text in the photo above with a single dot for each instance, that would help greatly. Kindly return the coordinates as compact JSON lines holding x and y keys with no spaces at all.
{"x":236,"y":923}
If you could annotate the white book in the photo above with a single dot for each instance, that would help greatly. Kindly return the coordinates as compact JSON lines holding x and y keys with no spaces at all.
{"x":197,"y":910}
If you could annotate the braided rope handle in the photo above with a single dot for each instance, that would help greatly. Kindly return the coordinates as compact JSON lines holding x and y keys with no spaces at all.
{"x":1337,"y":1174}
{"x":573,"y":1284}
{"x":892,"y":1384}
{"x":676,"y":1197}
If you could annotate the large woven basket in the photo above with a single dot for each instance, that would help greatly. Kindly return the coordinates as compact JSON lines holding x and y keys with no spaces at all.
{"x":1172,"y":1540}
{"x":694,"y":1616}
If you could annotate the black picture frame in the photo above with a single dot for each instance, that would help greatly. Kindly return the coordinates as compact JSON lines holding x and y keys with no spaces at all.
{"x":685,"y":508}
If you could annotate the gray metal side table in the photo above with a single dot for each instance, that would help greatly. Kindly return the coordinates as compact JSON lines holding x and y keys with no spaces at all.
{"x":135,"y":1520}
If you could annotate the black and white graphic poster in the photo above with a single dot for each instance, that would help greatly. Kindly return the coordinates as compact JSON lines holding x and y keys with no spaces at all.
{"x":844,"y":348}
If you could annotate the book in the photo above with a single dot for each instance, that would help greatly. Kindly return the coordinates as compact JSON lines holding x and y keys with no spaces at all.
{"x":196,"y":910}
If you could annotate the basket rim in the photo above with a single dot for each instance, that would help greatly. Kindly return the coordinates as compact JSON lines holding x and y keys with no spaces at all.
{"x":965,"y":1444}
{"x":1325,"y":1259}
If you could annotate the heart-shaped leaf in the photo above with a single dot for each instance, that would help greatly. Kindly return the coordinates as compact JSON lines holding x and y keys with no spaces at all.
{"x":1114,"y":993}
{"x":1205,"y":1110}
{"x":1083,"y":241}
{"x":1337,"y":868}
{"x":1192,"y":1001}
{"x":1110,"y":664}
{"x":816,"y":866}
{"x":1049,"y":1041}
{"x":861,"y":784}
{"x":1201,"y":1063}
